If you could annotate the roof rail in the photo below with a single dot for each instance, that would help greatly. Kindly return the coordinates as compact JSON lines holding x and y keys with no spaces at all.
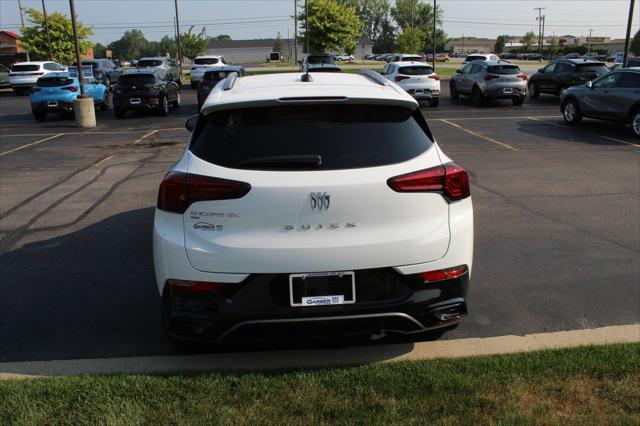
{"x":375,"y":77}
{"x":230,"y":81}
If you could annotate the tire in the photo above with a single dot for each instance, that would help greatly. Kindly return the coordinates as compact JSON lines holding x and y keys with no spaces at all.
{"x":476,"y":97}
{"x":571,"y":112}
{"x":19,"y":92}
{"x":194,"y":85}
{"x":40,"y":115}
{"x":534,"y":91}
{"x":434,"y":102}
{"x":163,"y":111}
{"x":176,"y":103}
{"x":119,"y":113}
{"x":518,"y":100}
{"x":635,"y":123}
{"x":106,"y":101}
{"x":454,"y":92}
{"x":561,"y":90}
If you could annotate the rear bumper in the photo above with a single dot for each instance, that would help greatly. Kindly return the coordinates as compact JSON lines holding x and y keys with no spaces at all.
{"x":498,"y":92}
{"x":124,"y":103}
{"x":44,"y":106}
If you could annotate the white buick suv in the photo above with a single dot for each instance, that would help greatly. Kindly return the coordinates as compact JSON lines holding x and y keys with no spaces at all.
{"x":311,"y":205}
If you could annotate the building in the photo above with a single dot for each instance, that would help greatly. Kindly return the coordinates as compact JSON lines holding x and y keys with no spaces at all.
{"x":468,"y":45}
{"x":10,"y":50}
{"x":257,"y":51}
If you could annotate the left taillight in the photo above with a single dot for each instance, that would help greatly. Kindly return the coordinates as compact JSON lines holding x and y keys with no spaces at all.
{"x":444,"y":274}
{"x":179,"y":190}
{"x":451,"y":180}
{"x":522,"y":77}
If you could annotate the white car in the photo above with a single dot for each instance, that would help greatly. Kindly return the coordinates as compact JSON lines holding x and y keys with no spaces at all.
{"x":345,"y":58}
{"x":23,"y":75}
{"x":481,"y":57}
{"x":404,"y":57}
{"x":417,"y":78}
{"x":311,"y":205}
{"x":202,"y":64}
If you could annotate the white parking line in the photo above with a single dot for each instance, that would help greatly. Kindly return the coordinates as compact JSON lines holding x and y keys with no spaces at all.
{"x":478,"y":135}
{"x":277,"y":360}
{"x":30,"y":144}
{"x":107,"y":132}
{"x":609,"y":138}
{"x":492,"y":118}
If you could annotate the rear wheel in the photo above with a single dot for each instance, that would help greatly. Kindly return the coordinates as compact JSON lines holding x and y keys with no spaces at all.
{"x":164,"y":107}
{"x":453,"y":91}
{"x":40,"y":115}
{"x":518,"y":100}
{"x":177,"y":101}
{"x":476,"y":97}
{"x":571,"y":112}
{"x":635,"y":123}
{"x":434,"y":102}
{"x":119,"y":112}
{"x":534,"y":91}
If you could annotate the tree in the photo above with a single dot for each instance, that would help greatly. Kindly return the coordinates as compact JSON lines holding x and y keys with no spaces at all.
{"x":553,"y":47}
{"x":635,"y":44}
{"x":528,"y":39}
{"x":501,"y":41}
{"x":152,"y":49}
{"x":372,"y":14}
{"x":332,"y":26}
{"x":193,"y":44}
{"x":222,"y":37}
{"x":99,"y":51}
{"x":386,"y":41}
{"x":414,"y":13}
{"x":34,"y":37}
{"x":410,"y":40}
{"x":168,"y":46}
{"x":132,"y":45}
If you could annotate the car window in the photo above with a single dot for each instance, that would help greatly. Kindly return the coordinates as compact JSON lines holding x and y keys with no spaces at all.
{"x":549,"y":68}
{"x":467,"y":69}
{"x":361,"y":136}
{"x":385,"y":69}
{"x":216,"y":75}
{"x":136,"y":79}
{"x":597,"y":68}
{"x":416,"y":70}
{"x":319,"y":59}
{"x":629,"y":79}
{"x":206,"y":61}
{"x":149,"y":63}
{"x":476,"y":69}
{"x":50,"y":67}
{"x":54,"y":81}
{"x":560,"y":67}
{"x":504,"y":69}
{"x":606,"y":81}
{"x":23,"y":68}
{"x":474,"y":58}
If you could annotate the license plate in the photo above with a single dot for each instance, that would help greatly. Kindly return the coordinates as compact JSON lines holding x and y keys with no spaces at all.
{"x":134,"y":100}
{"x":322,"y":288}
{"x":507,"y":90}
{"x":52,"y":104}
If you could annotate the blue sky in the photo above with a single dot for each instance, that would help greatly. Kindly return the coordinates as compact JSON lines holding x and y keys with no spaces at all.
{"x":245,"y":19}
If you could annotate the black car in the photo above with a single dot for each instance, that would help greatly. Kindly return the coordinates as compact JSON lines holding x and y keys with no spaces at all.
{"x":561,"y":74}
{"x":104,"y":70}
{"x":614,"y":96}
{"x":147,"y":89}
{"x":213,"y":77}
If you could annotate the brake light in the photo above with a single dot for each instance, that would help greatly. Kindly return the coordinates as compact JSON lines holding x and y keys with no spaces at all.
{"x":490,"y":77}
{"x":401,"y":77}
{"x":70,"y":88}
{"x":444,"y":274}
{"x":179,"y":190}
{"x":435,"y":77}
{"x":522,"y":76}
{"x":451,"y":180}
{"x":193,"y":286}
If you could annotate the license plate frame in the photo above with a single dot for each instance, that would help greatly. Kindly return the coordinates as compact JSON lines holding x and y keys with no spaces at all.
{"x":507,"y":91}
{"x":134,"y":101}
{"x":52,"y":104}
{"x":330,"y":285}
{"x":419,"y":92}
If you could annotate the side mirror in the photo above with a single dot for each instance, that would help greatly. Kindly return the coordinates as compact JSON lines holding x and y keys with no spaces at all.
{"x":589,"y":84}
{"x":458,"y":71}
{"x":190,"y":124}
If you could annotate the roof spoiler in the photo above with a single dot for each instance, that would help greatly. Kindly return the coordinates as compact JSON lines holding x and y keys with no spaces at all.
{"x":375,"y":77}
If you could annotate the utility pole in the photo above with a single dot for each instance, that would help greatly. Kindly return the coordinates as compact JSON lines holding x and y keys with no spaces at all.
{"x":434,"y":35}
{"x":295,"y":31}
{"x":539,"y":19}
{"x":46,"y":28}
{"x":83,"y":105}
{"x":22,"y":25}
{"x":72,"y":6}
{"x":626,"y":41}
{"x":544,"y":18}
{"x":589,"y":48}
{"x":463,"y":44}
{"x":306,"y":25}
{"x":178,"y":40}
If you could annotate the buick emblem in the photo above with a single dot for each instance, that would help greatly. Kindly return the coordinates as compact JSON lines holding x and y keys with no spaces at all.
{"x":320,"y":200}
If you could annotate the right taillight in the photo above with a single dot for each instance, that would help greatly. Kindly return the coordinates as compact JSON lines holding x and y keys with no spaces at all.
{"x":450,"y":180}
{"x":179,"y":190}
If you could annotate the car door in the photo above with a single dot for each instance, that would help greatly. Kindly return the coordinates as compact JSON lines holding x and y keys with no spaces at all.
{"x":625,"y":95}
{"x":473,"y":76}
{"x":545,"y":81}
{"x":462,"y":79}
{"x":596,"y":100}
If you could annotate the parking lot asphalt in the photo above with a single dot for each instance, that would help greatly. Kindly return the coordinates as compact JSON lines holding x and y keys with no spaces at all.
{"x":557,"y":213}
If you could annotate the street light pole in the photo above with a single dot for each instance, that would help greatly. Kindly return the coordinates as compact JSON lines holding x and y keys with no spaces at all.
{"x":72,"y":6}
{"x":22,"y":25}
{"x":306,"y":24}
{"x":434,"y":35}
{"x":178,"y":39}
{"x":83,"y":107}
{"x":46,"y":28}
{"x":626,"y":41}
{"x":295,"y":31}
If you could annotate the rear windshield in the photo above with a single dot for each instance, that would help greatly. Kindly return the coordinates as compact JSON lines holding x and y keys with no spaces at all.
{"x":597,"y":68}
{"x":410,"y":58}
{"x":134,"y":79}
{"x":325,"y":69}
{"x":633,"y":62}
{"x":54,"y":81}
{"x":341,"y":136}
{"x":504,"y":69}
{"x":20,"y":68}
{"x":216,"y":75}
{"x":150,"y":63}
{"x":206,"y":61}
{"x":416,"y":70}
{"x":321,"y":59}
{"x":474,"y":58}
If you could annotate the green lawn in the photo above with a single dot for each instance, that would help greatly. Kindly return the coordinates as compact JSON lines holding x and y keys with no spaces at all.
{"x":589,"y":385}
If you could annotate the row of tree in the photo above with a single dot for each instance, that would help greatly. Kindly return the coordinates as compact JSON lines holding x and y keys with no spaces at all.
{"x":531,"y":40}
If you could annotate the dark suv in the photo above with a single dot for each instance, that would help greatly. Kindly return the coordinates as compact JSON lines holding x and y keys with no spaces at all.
{"x":104,"y":70}
{"x":561,"y":74}
{"x":148,"y":89}
{"x":212,"y":77}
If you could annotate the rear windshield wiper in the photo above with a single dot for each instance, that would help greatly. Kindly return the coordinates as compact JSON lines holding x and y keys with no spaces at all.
{"x":284,"y":161}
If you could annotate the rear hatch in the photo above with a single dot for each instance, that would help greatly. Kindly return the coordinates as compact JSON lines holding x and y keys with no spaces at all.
{"x":55,"y":88}
{"x":318,"y":198}
{"x":25,"y":73}
{"x":505,"y":76}
{"x":135,"y":84}
{"x":590,"y":71}
{"x":417,"y":76}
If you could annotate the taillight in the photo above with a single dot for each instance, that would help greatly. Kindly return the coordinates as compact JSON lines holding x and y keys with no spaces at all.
{"x":179,"y":190}
{"x":435,"y":77}
{"x":490,"y":77}
{"x":449,"y":179}
{"x":401,"y":77}
{"x":70,"y":88}
{"x":522,"y":76}
{"x":444,"y":274}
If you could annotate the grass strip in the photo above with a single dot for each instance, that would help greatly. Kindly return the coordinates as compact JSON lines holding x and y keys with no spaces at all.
{"x":587,"y":385}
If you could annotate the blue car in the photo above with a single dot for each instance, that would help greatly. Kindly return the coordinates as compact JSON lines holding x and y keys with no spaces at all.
{"x":55,"y":92}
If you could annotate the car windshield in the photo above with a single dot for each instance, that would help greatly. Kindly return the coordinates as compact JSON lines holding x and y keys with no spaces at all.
{"x":320,"y":59}
{"x":597,"y":68}
{"x":133,"y":79}
{"x":54,"y":81}
{"x":474,"y":58}
{"x":504,"y":69}
{"x":21,"y":68}
{"x":361,"y":136}
{"x":416,"y":70}
{"x":206,"y":61}
{"x":149,"y":63}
